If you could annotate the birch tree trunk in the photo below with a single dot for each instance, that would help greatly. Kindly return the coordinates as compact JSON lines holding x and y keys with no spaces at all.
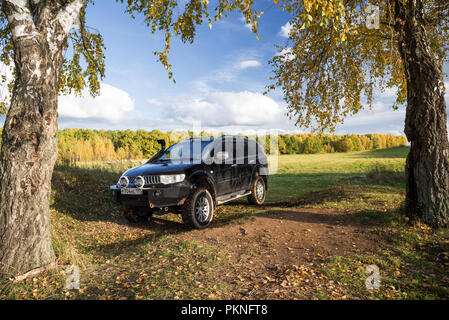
{"x":427,"y":168}
{"x":29,"y":141}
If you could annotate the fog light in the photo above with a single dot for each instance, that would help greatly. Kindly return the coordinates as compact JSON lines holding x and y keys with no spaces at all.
{"x":139,"y":182}
{"x":157,"y":193}
{"x":124,"y":181}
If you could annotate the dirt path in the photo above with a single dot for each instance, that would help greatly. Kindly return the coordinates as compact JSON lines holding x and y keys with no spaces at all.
{"x":283,"y":249}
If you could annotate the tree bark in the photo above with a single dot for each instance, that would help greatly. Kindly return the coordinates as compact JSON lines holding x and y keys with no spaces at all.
{"x":427,"y":167}
{"x":29,"y":140}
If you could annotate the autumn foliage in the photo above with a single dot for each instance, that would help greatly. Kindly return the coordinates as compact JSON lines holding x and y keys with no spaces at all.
{"x":78,"y":145}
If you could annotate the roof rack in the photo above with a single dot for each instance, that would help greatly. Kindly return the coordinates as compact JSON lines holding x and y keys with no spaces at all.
{"x":201,"y":138}
{"x":233,"y":136}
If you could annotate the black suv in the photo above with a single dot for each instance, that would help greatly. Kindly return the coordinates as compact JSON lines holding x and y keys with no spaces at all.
{"x":192,"y":177}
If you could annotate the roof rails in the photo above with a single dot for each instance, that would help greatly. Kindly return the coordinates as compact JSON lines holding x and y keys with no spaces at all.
{"x":201,"y":138}
{"x":221,"y":136}
{"x":233,"y":136}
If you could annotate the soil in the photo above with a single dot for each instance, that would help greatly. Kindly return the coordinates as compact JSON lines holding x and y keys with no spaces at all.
{"x":276,"y":248}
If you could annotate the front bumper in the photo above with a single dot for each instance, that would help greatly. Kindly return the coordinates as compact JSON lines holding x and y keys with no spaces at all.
{"x":158,"y":196}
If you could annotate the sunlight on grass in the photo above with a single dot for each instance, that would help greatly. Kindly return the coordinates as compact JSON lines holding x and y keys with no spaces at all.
{"x":300,"y":174}
{"x":119,"y":260}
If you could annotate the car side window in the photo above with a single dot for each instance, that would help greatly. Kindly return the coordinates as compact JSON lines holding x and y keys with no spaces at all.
{"x":240,"y":152}
{"x":229,"y":149}
{"x":252,"y":152}
{"x":224,"y":151}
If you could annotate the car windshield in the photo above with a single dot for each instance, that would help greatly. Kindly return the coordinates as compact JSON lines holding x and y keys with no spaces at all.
{"x":185,"y":150}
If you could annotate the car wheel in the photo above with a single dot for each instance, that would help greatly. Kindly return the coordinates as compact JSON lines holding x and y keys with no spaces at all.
{"x":137,"y":214}
{"x":258,"y":191}
{"x":198,"y":210}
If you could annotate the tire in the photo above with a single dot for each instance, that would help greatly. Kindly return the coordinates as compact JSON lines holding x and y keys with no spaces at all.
{"x":137,"y":214}
{"x":192,"y":214}
{"x":258,"y":191}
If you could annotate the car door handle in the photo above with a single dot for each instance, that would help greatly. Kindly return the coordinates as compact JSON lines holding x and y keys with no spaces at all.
{"x":234,"y":165}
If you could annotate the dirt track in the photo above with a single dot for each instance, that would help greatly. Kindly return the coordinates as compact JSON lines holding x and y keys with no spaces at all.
{"x":265,"y":250}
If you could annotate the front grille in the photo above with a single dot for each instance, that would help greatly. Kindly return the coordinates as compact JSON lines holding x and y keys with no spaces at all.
{"x":131,"y":179}
{"x":148,"y":179}
{"x":152,"y":179}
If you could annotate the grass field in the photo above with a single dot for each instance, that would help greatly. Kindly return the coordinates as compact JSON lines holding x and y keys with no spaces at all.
{"x":327,"y":217}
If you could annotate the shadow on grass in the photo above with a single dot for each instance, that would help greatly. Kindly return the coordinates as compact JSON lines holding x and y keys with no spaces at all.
{"x":83,"y":194}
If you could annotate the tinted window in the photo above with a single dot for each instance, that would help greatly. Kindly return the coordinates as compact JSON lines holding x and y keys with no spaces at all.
{"x":186,"y":150}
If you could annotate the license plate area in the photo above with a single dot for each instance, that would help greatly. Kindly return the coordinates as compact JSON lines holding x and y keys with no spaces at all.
{"x":133,"y":191}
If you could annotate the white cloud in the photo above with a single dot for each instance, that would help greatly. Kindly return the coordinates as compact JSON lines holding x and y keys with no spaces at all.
{"x":239,"y":110}
{"x":286,"y":53}
{"x":285,"y":30}
{"x":247,"y":25}
{"x":230,"y":69}
{"x":382,"y":118}
{"x":388,"y":93}
{"x":111,"y":105}
{"x":153,"y":102}
{"x":248,"y":64}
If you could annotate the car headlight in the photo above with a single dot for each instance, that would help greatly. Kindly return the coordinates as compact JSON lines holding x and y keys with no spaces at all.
{"x":123,"y":181}
{"x":172,"y":178}
{"x":139,"y":182}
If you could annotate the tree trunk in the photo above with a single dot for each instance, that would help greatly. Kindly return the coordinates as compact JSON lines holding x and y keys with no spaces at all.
{"x":29,"y":151}
{"x":427,"y":168}
{"x":29,"y":141}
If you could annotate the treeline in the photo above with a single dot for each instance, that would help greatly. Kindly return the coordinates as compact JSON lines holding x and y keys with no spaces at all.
{"x":326,"y":143}
{"x":76,"y":145}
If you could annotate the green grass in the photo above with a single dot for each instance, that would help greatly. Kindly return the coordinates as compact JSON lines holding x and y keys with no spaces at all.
{"x":119,"y":261}
{"x":117,"y":166}
{"x":297,"y":175}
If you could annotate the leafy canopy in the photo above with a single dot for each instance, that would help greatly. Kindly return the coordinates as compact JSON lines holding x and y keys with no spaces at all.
{"x":333,"y":62}
{"x":84,"y":59}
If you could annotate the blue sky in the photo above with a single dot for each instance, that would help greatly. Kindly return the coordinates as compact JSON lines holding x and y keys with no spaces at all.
{"x":219,"y":80}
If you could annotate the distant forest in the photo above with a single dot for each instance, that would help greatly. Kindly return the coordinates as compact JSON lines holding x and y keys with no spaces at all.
{"x":75,"y":145}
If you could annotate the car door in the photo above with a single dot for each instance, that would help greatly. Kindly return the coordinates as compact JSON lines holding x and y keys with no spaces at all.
{"x":252,"y":157}
{"x":240,"y":167}
{"x":247,"y":168}
{"x":223,"y":166}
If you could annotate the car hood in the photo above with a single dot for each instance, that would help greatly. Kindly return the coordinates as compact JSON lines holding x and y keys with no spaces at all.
{"x":168,"y":167}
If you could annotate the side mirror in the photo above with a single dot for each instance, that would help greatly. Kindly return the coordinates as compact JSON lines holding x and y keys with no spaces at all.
{"x":221,"y":156}
{"x":162,"y":143}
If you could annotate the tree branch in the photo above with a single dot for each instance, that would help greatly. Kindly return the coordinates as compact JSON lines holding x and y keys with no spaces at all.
{"x":87,"y":49}
{"x":69,"y":14}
